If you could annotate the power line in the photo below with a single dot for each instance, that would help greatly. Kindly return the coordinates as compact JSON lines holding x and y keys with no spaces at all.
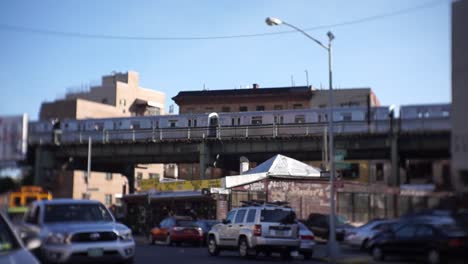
{"x":14,"y":28}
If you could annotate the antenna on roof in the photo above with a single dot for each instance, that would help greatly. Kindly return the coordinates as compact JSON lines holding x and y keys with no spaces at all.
{"x":292,"y":80}
{"x":204,"y":87}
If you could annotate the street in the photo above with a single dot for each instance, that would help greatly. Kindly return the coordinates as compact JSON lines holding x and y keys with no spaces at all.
{"x":162,"y":254}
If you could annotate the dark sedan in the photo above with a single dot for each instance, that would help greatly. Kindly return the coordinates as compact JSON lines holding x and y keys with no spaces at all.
{"x":433,"y":242}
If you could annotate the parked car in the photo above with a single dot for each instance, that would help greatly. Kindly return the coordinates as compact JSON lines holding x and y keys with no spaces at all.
{"x":12,"y":249}
{"x":255,"y":228}
{"x":175,"y":230}
{"x":307,"y":241}
{"x":320,"y":225}
{"x":206,"y":226}
{"x":435,"y":242}
{"x":78,"y":231}
{"x":360,"y":236}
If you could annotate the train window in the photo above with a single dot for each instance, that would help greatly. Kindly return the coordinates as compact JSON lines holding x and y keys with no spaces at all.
{"x":346,"y":117}
{"x":278,"y":107}
{"x":256,"y":120}
{"x":172,"y":123}
{"x":322,"y":117}
{"x":233,"y":120}
{"x":136,"y":125}
{"x":299,"y":119}
{"x":278,"y":119}
{"x":99,"y":126}
{"x":260,"y":108}
{"x":445,"y":113}
{"x":195,"y":122}
{"x":189,"y":123}
{"x":297,"y":106}
{"x":243,"y":109}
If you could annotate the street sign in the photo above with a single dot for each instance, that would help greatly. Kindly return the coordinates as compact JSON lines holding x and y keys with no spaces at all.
{"x":340,"y":154}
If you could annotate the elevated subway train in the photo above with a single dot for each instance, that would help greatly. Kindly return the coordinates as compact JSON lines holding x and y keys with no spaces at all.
{"x":278,"y":123}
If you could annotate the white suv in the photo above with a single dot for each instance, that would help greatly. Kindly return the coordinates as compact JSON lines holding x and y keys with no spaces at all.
{"x":256,"y":228}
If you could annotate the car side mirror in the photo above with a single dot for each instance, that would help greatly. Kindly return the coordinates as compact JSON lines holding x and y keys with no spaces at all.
{"x":226,"y":221}
{"x":31,"y":242}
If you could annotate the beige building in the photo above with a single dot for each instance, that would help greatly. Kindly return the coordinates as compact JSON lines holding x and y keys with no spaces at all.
{"x":460,"y":95}
{"x":119,"y":95}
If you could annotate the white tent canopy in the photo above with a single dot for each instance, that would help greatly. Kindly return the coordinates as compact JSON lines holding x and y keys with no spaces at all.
{"x":278,"y":166}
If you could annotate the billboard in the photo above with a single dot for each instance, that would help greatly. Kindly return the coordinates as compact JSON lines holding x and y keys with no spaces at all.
{"x":13,"y":138}
{"x":148,"y":184}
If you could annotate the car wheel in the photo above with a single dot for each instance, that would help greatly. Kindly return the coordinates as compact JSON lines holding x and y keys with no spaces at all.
{"x":307,"y":255}
{"x":168,"y":240}
{"x":364,"y":244}
{"x":377,"y":253}
{"x":213,"y":248}
{"x":243,"y":248}
{"x":433,"y":257}
{"x":286,"y":255}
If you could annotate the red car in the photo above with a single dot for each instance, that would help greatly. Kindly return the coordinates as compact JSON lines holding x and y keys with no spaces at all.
{"x":177,"y":230}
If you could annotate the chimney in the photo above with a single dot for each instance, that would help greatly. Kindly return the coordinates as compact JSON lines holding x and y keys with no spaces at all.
{"x":256,"y":86}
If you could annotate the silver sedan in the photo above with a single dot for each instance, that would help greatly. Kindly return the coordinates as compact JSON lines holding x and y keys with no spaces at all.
{"x":358,"y":237}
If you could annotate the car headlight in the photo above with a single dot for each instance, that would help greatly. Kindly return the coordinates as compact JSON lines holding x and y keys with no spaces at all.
{"x":126,"y":236}
{"x":57,"y":238}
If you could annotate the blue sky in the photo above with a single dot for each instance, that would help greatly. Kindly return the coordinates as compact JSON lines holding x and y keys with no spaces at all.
{"x":405,"y":59}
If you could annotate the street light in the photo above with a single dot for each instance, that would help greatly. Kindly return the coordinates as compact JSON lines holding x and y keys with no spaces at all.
{"x":333,"y":249}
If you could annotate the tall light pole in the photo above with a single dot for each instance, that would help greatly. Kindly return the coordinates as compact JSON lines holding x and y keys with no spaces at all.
{"x":333,"y":248}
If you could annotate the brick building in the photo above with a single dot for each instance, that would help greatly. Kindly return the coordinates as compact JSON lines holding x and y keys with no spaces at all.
{"x":265,"y":99}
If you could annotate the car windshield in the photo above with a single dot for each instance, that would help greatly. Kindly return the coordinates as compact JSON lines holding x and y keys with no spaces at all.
{"x":186,"y":223}
{"x":278,"y":216}
{"x":76,"y":213}
{"x":7,"y":239}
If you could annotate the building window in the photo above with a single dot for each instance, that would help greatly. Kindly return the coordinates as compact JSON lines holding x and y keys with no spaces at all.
{"x":322,"y":106}
{"x":350,"y":173}
{"x":153,"y":110}
{"x":195,"y":123}
{"x":299,"y":119}
{"x":256,"y":120}
{"x":85,"y":196}
{"x":260,"y":108}
{"x":278,"y":107}
{"x":108,"y":199}
{"x":243,"y":109}
{"x":153,"y":175}
{"x":209,"y":109}
{"x":225,"y":109}
{"x":109,"y":176}
{"x":189,"y":123}
{"x":139,"y":176}
{"x":379,"y":172}
{"x":297,"y":106}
